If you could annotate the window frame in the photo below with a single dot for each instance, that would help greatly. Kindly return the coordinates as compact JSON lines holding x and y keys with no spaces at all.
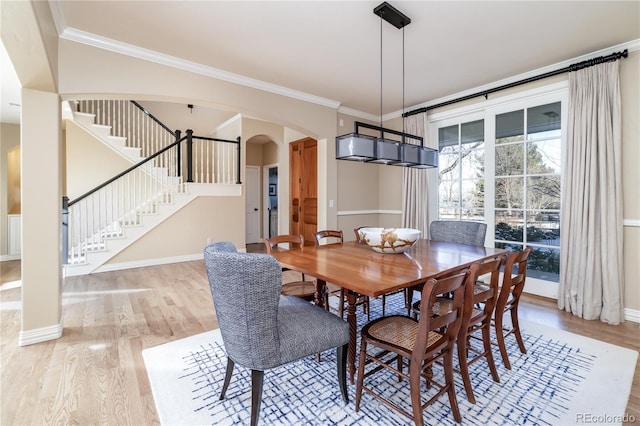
{"x":487,"y":110}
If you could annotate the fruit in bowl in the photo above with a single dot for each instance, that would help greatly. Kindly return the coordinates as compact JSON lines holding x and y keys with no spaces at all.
{"x":389,"y":240}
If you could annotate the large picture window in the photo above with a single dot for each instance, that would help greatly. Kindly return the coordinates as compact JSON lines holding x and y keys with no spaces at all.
{"x":527,"y":186}
{"x":502,"y":166}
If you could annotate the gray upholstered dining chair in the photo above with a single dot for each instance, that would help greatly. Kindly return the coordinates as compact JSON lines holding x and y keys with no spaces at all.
{"x":260,"y":328}
{"x":453,"y":231}
{"x":456,"y":231}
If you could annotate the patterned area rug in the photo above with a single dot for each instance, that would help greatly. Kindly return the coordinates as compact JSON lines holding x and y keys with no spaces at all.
{"x":563,"y":379}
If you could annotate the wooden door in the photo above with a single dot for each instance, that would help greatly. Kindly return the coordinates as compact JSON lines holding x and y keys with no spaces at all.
{"x":252,"y":202}
{"x":303,"y":181}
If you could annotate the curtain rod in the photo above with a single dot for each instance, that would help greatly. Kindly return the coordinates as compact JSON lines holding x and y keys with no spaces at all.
{"x":573,"y":67}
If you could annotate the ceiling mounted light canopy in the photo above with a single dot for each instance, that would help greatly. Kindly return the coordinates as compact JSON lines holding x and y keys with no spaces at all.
{"x":381,"y":150}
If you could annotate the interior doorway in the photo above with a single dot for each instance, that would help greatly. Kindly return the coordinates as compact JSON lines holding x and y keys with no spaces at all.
{"x":252,"y":186}
{"x":270,"y":191}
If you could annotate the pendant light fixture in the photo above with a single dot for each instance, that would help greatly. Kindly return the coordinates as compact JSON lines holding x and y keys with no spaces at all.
{"x":381,"y":150}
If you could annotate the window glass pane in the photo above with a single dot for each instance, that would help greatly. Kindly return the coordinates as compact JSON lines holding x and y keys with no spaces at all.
{"x":510,"y":126}
{"x":448,"y":136}
{"x":449,"y":193}
{"x":543,"y":121}
{"x":473,"y":164}
{"x":476,"y":215}
{"x":472,"y":132}
{"x":544,"y":263}
{"x":543,"y":157}
{"x":510,"y":159}
{"x":543,"y":228}
{"x":510,"y":225}
{"x":446,"y":213}
{"x":473,"y":193}
{"x":448,"y":166}
{"x":543,"y":192}
{"x":509,"y":193}
{"x":511,"y":247}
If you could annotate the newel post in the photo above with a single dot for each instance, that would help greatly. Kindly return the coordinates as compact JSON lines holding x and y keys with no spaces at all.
{"x":189,"y":155}
{"x":238,"y":180}
{"x":179,"y":155}
{"x":65,"y":229}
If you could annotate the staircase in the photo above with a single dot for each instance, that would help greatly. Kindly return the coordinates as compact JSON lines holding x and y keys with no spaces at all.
{"x":108,"y":219}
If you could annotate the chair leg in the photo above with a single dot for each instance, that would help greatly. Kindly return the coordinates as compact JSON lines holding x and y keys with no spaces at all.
{"x":257,"y":377}
{"x":409,"y":300}
{"x":341,"y":303}
{"x":359,"y":383}
{"x":227,"y":377}
{"x":451,"y":390}
{"x":414,"y":386}
{"x":516,"y":329}
{"x":500,"y":338}
{"x":486,"y":342}
{"x":367,"y":306}
{"x":341,"y":361}
{"x":464,"y":365}
{"x":384,"y":303}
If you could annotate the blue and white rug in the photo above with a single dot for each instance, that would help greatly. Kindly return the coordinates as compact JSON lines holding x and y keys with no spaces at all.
{"x":563,"y":379}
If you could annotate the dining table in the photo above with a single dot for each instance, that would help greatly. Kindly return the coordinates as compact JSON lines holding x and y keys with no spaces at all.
{"x":360,"y":270}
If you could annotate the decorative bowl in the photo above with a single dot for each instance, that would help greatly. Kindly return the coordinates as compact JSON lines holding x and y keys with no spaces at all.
{"x":389,"y":240}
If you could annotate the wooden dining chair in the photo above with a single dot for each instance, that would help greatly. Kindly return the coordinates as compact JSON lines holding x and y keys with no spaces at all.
{"x":335,"y":237}
{"x":303,"y":288}
{"x":476,"y":320}
{"x":453,"y":231}
{"x":359,"y":240}
{"x":424,"y":342}
{"x":514,"y":277}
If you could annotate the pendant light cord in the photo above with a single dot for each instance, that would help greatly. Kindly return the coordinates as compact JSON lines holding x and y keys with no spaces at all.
{"x":381,"y":71}
{"x":402,"y":83}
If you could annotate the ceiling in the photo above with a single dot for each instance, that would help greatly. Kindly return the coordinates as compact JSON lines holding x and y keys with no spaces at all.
{"x":330,"y":51}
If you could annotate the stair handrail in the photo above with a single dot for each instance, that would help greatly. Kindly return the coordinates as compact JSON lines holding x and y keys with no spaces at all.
{"x":151,"y":116}
{"x":129,"y":170}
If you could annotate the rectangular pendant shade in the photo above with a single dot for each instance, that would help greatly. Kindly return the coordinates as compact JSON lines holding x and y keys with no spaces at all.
{"x":355,"y":147}
{"x":428,"y":159}
{"x":387,"y":152}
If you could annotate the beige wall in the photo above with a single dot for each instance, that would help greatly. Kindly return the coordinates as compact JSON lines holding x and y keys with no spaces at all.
{"x":9,"y":142}
{"x":206,"y":219}
{"x":630,"y":89}
{"x":89,"y":162}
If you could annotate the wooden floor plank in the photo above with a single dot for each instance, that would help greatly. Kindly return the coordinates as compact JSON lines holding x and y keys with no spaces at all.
{"x":95,"y":375}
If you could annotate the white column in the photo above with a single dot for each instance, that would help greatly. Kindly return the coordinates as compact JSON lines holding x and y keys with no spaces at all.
{"x":41,"y":193}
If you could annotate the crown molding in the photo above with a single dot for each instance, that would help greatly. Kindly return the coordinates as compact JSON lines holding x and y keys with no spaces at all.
{"x":359,"y":114}
{"x":83,"y":37}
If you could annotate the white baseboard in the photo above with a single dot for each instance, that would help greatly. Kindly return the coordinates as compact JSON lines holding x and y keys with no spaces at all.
{"x":148,"y":262}
{"x":39,"y":335}
{"x":632,"y":315}
{"x":6,"y":257}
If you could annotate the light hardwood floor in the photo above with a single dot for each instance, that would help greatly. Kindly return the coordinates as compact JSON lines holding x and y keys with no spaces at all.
{"x":94,"y":374}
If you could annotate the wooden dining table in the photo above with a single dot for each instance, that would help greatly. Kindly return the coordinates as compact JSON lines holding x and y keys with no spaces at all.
{"x":360,"y":270}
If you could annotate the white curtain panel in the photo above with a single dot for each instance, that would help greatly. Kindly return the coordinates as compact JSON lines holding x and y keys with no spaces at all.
{"x":591,"y":271}
{"x":419,"y":186}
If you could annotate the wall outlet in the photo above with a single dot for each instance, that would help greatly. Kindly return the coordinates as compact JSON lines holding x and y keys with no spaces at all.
{"x":208,"y":240}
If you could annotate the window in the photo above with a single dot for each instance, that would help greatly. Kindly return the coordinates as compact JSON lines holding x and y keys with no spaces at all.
{"x":527,"y":186}
{"x":461,"y":170}
{"x":502,"y":165}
